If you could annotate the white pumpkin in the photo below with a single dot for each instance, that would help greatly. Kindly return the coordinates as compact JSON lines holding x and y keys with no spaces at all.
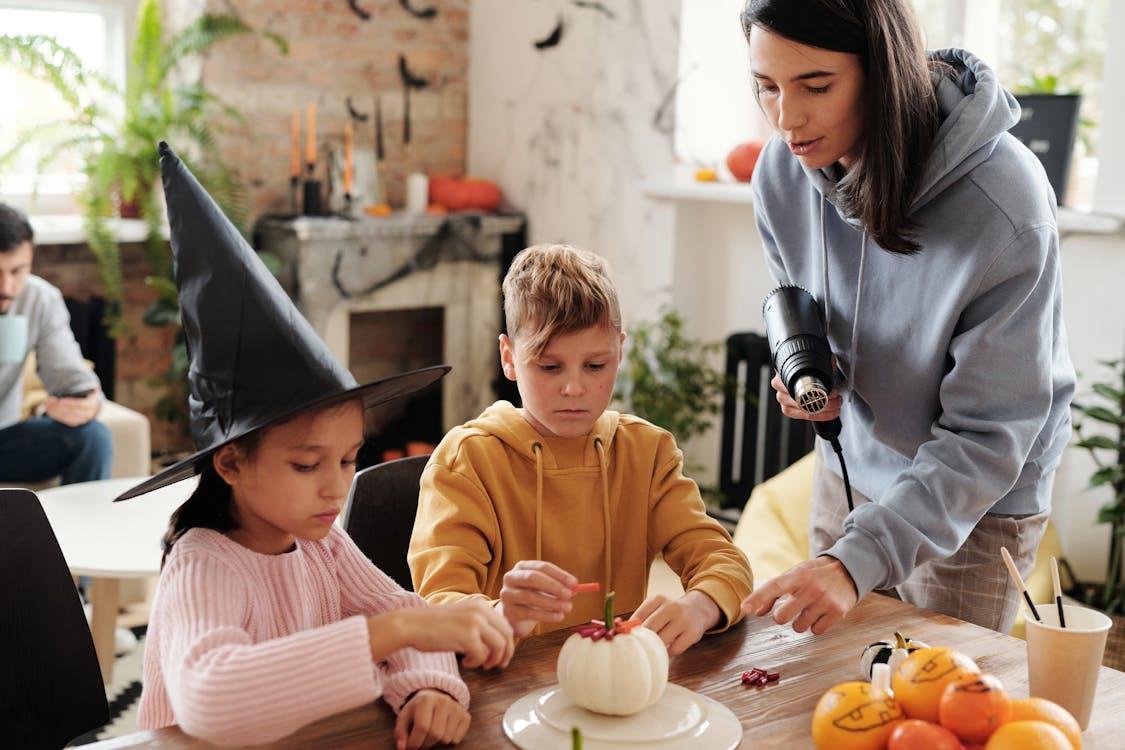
{"x":889,"y":652}
{"x":622,"y":676}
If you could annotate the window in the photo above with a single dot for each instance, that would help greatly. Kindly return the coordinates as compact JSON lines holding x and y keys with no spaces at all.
{"x":1025,"y":41}
{"x":96,"y":32}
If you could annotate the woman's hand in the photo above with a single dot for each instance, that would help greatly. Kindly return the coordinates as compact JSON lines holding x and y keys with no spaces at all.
{"x":680,"y":623}
{"x":471,"y":627}
{"x":535,"y":591}
{"x":814,"y":594}
{"x":790,"y":409}
{"x":430,"y":717}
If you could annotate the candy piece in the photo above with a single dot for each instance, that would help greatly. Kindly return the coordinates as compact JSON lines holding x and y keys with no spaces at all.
{"x":583,"y":588}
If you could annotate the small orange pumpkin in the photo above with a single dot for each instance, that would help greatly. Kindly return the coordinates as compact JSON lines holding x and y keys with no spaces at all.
{"x":973,"y":706}
{"x":464,"y":194}
{"x":920,"y":680}
{"x":854,"y":716}
{"x":1028,"y":735}
{"x":1041,"y":709}
{"x":742,"y":159}
{"x":915,"y":734}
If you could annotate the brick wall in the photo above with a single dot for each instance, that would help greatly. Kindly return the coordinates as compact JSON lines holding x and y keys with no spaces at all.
{"x":333,"y":55}
{"x":142,"y":351}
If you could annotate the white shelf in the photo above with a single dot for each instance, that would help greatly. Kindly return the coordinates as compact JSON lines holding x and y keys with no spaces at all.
{"x":691,"y":190}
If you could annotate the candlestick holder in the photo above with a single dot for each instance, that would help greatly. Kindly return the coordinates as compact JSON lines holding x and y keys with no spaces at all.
{"x":312,"y":203}
{"x":294,"y":195}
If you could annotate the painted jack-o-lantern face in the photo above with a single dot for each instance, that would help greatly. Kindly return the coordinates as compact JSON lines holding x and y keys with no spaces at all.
{"x":854,"y":716}
{"x":973,"y":706}
{"x":919,"y":682}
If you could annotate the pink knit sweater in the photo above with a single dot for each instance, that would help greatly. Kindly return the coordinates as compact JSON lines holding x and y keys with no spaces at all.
{"x":244,"y":648}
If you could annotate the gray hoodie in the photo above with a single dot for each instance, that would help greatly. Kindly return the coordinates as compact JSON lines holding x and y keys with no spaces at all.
{"x":953,"y":363}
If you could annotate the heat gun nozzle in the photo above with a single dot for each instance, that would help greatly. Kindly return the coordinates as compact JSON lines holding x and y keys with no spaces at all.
{"x":811,"y":395}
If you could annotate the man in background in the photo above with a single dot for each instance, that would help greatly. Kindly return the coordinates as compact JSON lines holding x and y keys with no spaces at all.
{"x":62,"y":439}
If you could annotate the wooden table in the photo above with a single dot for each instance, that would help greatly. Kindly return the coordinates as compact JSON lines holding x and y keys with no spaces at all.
{"x":110,"y":541}
{"x":776,"y":716}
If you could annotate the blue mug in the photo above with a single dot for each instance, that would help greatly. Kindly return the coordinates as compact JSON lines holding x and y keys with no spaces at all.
{"x":13,"y":339}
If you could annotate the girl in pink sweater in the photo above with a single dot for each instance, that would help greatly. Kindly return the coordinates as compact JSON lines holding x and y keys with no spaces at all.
{"x":268,"y":617}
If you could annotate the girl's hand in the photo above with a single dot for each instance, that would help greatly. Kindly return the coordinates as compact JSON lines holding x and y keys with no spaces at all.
{"x":814,"y":594}
{"x":790,"y":408}
{"x":680,"y":623}
{"x":430,"y":717}
{"x":470,"y":627}
{"x":535,"y":591}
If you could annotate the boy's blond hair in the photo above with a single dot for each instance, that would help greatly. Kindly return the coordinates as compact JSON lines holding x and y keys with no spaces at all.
{"x":553,"y":289}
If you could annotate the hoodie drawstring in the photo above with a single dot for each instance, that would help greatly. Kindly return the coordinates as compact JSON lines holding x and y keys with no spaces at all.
{"x":605,"y":513}
{"x":853,"y":344}
{"x":537,"y":449}
{"x":855,"y":317}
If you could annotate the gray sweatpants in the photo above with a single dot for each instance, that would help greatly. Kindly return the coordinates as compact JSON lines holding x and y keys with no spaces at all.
{"x":972,"y":585}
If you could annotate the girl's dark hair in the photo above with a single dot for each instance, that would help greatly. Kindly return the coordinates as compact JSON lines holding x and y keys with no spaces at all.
{"x":211,"y":505}
{"x":901,"y":113}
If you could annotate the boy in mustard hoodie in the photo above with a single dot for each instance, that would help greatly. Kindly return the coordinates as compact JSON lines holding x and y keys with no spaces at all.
{"x":521,"y":504}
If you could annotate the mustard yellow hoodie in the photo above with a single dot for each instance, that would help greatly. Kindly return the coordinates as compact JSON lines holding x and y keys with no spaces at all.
{"x":601,"y":507}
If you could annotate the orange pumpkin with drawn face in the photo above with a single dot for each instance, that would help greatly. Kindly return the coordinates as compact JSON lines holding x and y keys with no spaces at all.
{"x":973,"y":706}
{"x":854,"y":716}
{"x":919,"y":682}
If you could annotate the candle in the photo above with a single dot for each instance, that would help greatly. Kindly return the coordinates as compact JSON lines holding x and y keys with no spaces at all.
{"x":417,"y":193}
{"x":310,"y":143}
{"x":348,"y":157}
{"x":295,"y":146}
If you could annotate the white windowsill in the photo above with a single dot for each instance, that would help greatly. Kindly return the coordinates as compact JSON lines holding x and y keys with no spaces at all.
{"x":69,"y":229}
{"x":1071,"y":220}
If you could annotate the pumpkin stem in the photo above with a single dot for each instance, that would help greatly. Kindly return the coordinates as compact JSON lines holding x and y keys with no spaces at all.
{"x":609,"y":611}
{"x":575,"y":738}
{"x":900,"y":642}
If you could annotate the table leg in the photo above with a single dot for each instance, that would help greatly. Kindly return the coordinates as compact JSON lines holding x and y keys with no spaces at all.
{"x":103,"y":620}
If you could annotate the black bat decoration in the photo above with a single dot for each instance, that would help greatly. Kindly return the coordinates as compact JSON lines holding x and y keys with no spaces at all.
{"x":418,"y":12}
{"x":552,"y":39}
{"x":355,"y":114}
{"x":600,"y":7}
{"x":363,"y":14}
{"x":409,"y":81}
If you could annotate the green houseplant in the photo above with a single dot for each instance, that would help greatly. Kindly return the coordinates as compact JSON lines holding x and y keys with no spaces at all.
{"x":115,"y":132}
{"x":665,"y":378}
{"x":1106,"y":406}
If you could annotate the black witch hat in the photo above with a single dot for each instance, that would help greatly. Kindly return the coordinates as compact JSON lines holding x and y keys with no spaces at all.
{"x":254,"y":359}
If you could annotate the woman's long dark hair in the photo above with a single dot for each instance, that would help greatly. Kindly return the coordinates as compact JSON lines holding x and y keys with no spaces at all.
{"x":902,"y":111}
{"x":211,"y":506}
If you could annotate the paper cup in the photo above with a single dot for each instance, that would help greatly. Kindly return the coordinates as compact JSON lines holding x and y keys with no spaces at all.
{"x":13,"y":338}
{"x":1063,"y":663}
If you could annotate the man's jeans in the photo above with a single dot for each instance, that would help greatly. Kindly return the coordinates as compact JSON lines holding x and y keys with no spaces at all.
{"x":41,"y":448}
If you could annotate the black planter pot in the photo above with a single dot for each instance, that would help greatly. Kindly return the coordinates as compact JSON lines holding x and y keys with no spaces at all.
{"x":1048,"y":125}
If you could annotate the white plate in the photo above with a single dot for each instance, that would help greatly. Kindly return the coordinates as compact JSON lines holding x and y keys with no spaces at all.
{"x":681,"y":719}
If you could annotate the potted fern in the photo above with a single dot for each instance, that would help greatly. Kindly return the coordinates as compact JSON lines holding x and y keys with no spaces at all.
{"x":665,"y":379}
{"x":1106,"y":446}
{"x":115,"y":132}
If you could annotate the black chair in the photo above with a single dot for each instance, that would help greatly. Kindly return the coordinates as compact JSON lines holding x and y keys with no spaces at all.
{"x":380,"y":514}
{"x":51,"y":687}
{"x":756,"y":442}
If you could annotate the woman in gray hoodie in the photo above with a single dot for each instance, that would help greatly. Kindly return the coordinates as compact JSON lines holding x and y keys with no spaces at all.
{"x":894,"y":194}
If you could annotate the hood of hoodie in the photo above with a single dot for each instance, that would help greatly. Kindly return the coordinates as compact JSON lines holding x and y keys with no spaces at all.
{"x":504,"y":421}
{"x":974,"y":109}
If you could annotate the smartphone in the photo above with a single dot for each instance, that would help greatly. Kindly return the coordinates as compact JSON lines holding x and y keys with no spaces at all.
{"x":76,"y":394}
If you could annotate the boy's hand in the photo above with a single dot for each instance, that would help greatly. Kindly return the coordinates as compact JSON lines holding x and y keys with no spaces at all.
{"x":535,"y":591}
{"x":680,"y":623}
{"x":469,"y":627}
{"x":430,"y":717}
